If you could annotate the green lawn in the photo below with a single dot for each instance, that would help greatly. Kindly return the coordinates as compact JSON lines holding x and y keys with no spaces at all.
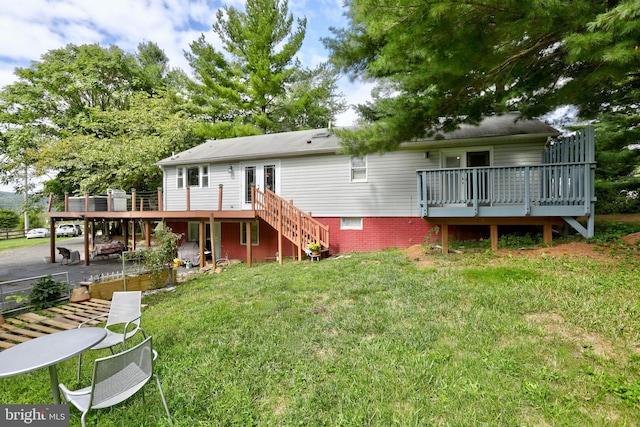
{"x":369,"y":339}
{"x":23,"y":241}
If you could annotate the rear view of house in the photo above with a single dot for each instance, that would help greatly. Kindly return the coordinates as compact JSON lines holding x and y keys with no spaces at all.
{"x":266,"y":197}
{"x":259,"y":190}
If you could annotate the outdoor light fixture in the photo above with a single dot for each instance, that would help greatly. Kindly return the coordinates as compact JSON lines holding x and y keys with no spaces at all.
{"x":230,"y":170}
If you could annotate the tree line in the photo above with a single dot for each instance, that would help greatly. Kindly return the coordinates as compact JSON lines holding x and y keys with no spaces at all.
{"x":91,"y":117}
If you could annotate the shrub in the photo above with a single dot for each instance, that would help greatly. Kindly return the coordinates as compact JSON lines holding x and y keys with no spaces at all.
{"x":8,"y":219}
{"x":619,"y":197}
{"x":46,"y":291}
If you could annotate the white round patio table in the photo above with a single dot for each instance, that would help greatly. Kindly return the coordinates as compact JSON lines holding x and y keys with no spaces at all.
{"x":47,"y":351}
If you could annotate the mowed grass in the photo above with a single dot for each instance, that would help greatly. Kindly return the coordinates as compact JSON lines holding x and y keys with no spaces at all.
{"x":7,"y":244}
{"x":370,"y":339}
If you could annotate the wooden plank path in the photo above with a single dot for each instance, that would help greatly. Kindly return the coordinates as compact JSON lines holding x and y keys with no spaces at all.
{"x":26,"y":326}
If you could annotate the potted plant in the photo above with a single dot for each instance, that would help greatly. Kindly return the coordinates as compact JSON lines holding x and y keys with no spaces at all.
{"x":315,"y":248}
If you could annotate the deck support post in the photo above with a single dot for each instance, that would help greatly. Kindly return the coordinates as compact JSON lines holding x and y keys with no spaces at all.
{"x":52,"y":240}
{"x":133,"y":235}
{"x":445,"y":238}
{"x":212,"y":236}
{"x":280,"y":234}
{"x":247,"y":226}
{"x":493,"y":231}
{"x":201,"y":237}
{"x":300,"y":239}
{"x":86,"y":241}
{"x":147,"y":233}
{"x":126,"y":234}
{"x":547,"y":233}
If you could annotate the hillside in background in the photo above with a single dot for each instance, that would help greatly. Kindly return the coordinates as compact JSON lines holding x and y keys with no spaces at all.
{"x":14,"y":201}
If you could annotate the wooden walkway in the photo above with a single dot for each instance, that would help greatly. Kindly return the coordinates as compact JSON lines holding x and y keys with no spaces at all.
{"x":24,"y":327}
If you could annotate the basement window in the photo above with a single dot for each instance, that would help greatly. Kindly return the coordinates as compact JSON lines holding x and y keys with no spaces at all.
{"x":351,"y":223}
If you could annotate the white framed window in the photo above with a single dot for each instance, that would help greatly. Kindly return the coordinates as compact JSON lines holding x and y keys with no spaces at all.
{"x":254,"y":233}
{"x":180,"y":178}
{"x":193,"y":176}
{"x":204,"y":176}
{"x":351,"y":223}
{"x":358,"y":169}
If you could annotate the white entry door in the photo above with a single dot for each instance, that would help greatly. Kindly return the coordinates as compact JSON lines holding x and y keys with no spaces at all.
{"x":263,"y":176}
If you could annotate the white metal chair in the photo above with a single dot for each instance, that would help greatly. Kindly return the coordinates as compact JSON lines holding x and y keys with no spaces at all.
{"x":115,"y":379}
{"x":124,"y":316}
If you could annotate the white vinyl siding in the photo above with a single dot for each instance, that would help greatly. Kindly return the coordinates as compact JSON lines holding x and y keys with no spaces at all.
{"x":322,"y":184}
{"x":205,"y":198}
{"x":517,"y":155}
{"x":390,"y":189}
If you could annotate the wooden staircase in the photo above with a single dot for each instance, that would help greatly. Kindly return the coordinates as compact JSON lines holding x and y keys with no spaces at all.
{"x":297,"y":226}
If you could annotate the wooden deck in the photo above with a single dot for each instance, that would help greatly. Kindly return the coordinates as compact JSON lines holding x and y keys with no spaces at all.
{"x":26,"y":326}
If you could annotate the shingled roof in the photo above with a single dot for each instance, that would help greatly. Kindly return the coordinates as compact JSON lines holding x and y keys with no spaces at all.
{"x":322,"y":141}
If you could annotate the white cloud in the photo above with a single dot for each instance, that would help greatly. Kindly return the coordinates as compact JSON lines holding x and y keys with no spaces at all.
{"x":355,"y":93}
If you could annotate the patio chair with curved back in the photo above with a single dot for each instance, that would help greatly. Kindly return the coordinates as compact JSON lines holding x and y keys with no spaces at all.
{"x":123,"y":321}
{"x":115,"y":379}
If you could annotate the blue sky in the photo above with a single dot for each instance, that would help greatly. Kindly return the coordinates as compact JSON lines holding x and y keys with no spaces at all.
{"x":30,"y":28}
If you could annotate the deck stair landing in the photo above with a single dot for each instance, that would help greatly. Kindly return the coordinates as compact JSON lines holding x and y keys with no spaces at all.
{"x":26,"y":326}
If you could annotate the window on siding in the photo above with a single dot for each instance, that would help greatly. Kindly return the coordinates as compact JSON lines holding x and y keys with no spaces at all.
{"x":254,"y":233}
{"x":358,"y":169}
{"x":180,"y":183}
{"x":250,"y":180}
{"x":193,"y":176}
{"x":205,"y":176}
{"x":351,"y":223}
{"x":270,"y":177}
